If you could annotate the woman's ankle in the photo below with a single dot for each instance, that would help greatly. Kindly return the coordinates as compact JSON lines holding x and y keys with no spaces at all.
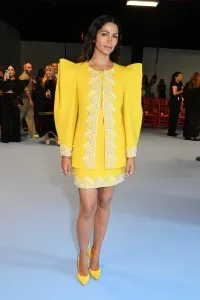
{"x":95,"y":249}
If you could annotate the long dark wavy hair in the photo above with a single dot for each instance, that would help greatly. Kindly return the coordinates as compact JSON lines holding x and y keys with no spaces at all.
{"x":174,"y":75}
{"x":89,"y":42}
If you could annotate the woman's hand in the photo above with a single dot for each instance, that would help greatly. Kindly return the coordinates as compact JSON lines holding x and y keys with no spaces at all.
{"x":130,"y":166}
{"x":66,"y":165}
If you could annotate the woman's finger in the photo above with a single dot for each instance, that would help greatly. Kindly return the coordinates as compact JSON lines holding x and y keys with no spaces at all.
{"x":127,"y":170}
{"x":131,"y":170}
{"x":69,"y":170}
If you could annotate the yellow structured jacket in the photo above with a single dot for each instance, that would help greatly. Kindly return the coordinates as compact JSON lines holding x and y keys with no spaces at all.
{"x":84,"y":97}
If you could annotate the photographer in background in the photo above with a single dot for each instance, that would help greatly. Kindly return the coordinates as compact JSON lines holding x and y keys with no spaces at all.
{"x":10,"y":106}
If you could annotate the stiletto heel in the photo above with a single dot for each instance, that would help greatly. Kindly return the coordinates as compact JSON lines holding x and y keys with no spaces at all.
{"x":94,"y":273}
{"x":83,"y":279}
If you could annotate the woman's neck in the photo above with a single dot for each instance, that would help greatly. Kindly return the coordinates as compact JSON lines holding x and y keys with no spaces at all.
{"x":100,"y":60}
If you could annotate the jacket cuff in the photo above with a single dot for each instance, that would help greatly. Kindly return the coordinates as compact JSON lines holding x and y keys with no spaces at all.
{"x":131,"y":152}
{"x":65,"y":151}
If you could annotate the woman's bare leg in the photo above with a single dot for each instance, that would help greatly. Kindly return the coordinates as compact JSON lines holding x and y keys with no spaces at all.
{"x":101,"y":219}
{"x":88,"y":205}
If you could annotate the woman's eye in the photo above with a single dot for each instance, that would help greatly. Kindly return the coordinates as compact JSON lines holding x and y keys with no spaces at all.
{"x":104,"y":34}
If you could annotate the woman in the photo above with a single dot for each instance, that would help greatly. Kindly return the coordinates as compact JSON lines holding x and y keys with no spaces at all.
{"x":191,"y":94}
{"x":10,"y":107}
{"x":151,"y":91}
{"x":45,"y":104}
{"x":38,"y":95}
{"x":144,"y":85}
{"x":176,"y":91}
{"x":98,"y":113}
{"x":161,"y":88}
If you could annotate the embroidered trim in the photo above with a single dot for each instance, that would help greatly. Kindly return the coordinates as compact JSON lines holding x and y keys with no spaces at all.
{"x":65,"y":151}
{"x":92,"y":120}
{"x":88,"y":183}
{"x":108,"y":110}
{"x":131,"y":152}
{"x":97,"y":89}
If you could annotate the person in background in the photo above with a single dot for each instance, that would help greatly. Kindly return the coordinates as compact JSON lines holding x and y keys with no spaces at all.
{"x":27,"y":110}
{"x":161,"y":89}
{"x":98,"y":117}
{"x":144,"y":85}
{"x":40,"y":75}
{"x":47,"y":106}
{"x":151,"y":92}
{"x":38,"y":95}
{"x":176,"y":91}
{"x":10,"y":107}
{"x":55,"y":69}
{"x":191,"y":94}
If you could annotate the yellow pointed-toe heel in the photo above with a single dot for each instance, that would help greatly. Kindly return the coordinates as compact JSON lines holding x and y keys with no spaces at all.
{"x":82,"y":279}
{"x":94,"y":273}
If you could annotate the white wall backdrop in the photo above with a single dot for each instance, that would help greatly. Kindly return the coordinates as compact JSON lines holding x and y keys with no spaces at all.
{"x":125,"y":57}
{"x":14,"y":51}
{"x":42,"y":53}
{"x":9,"y":46}
{"x":170,"y":61}
{"x":73,"y":51}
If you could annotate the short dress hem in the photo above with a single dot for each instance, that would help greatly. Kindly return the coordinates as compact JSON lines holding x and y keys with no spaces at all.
{"x":96,"y":179}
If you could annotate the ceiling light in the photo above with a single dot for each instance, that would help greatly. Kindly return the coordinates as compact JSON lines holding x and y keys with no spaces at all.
{"x":142,"y":3}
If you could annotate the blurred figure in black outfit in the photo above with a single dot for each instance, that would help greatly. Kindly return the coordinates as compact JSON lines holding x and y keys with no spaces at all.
{"x":45,"y":104}
{"x":176,"y":91}
{"x":191,"y":94}
{"x":1,"y":93}
{"x":38,"y":95}
{"x":12,"y":89}
{"x":161,"y":88}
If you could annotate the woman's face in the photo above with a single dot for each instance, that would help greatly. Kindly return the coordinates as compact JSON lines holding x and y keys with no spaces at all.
{"x":179,"y":77}
{"x":107,"y":38}
{"x":11,"y":71}
{"x":49,"y":72}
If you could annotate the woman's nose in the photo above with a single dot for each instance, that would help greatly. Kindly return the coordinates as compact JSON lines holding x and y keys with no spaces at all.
{"x":109,"y":39}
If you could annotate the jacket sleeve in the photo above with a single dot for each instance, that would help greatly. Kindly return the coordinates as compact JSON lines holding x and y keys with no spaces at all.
{"x":132,"y":108}
{"x":66,"y":106}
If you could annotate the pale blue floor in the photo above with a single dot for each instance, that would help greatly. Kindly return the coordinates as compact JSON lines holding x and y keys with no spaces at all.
{"x":152,"y":248}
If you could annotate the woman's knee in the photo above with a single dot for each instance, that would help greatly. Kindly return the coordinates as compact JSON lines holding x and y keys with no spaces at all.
{"x":87,"y":210}
{"x":104,"y":202}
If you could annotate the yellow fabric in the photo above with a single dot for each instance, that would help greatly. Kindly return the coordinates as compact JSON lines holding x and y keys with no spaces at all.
{"x":132,"y":109}
{"x":98,"y":114}
{"x":65,"y":107}
{"x":90,"y":179}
